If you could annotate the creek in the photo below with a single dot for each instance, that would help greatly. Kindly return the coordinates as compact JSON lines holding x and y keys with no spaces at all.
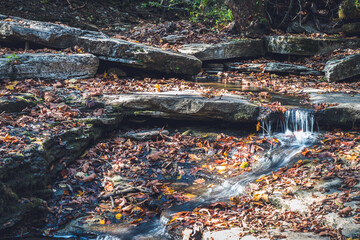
{"x":294,"y":132}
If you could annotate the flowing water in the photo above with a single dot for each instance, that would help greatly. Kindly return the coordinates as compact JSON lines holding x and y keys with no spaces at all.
{"x":294,"y":132}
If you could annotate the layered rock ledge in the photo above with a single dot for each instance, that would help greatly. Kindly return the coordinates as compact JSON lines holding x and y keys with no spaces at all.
{"x":13,"y":29}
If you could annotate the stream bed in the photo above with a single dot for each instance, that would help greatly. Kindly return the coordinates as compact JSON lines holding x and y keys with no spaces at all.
{"x":288,"y":137}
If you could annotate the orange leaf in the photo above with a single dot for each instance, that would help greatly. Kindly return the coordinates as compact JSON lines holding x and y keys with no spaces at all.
{"x":305,"y":151}
{"x":258,"y":126}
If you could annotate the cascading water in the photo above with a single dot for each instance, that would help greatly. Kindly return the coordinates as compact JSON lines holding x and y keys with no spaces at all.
{"x":296,"y":133}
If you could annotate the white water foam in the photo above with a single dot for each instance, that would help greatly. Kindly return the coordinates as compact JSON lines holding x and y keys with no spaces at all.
{"x":297,"y":133}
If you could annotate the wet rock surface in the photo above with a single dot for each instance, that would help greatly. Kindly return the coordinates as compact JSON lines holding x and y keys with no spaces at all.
{"x":48,"y":66}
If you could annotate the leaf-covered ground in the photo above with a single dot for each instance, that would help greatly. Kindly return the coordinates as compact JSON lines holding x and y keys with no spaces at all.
{"x":122,"y":180}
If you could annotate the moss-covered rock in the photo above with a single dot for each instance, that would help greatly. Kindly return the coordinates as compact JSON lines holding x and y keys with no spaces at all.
{"x":351,"y":29}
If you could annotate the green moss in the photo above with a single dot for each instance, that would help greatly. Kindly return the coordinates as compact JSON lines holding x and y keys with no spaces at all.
{"x":349,"y":10}
{"x":8,"y":199}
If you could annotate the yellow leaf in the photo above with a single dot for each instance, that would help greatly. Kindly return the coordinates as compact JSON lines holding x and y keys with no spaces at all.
{"x":105,"y":75}
{"x":261,"y":196}
{"x":276,"y":140}
{"x":118,"y":216}
{"x":173,"y":219}
{"x":189,"y":195}
{"x":258,"y":126}
{"x":12,"y":85}
{"x":102,"y":221}
{"x":179,"y":177}
{"x":244,"y":165}
{"x":225,"y":154}
{"x":80,"y":193}
{"x":157,"y":88}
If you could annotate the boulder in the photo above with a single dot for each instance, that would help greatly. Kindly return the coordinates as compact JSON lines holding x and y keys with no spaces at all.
{"x":345,"y":114}
{"x":48,"y":66}
{"x":16,"y":103}
{"x":186,"y":105}
{"x":226,"y":50}
{"x":340,"y":69}
{"x":307,"y":46}
{"x":274,"y":67}
{"x":13,"y":29}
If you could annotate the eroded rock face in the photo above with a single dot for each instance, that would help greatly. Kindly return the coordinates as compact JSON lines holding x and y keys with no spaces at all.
{"x":340,"y":69}
{"x":189,"y":105}
{"x":123,"y":52}
{"x":48,"y":66}
{"x":25,"y":174}
{"x":226,"y":50}
{"x":306,"y":46}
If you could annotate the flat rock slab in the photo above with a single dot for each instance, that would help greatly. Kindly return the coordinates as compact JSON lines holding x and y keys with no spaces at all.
{"x":48,"y":66}
{"x":340,"y":69}
{"x":226,"y":50}
{"x":186,"y":105}
{"x":140,"y":56}
{"x":233,"y":234}
{"x":306,"y":46}
{"x":346,"y":113}
{"x":282,"y":68}
{"x":146,"y":134}
{"x":13,"y":29}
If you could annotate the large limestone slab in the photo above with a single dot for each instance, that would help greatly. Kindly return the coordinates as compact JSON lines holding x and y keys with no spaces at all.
{"x":340,"y":69}
{"x":140,"y":56}
{"x":226,"y":50}
{"x":123,"y":52}
{"x":14,"y":29}
{"x":187,"y":105}
{"x":307,"y":46}
{"x":48,"y":66}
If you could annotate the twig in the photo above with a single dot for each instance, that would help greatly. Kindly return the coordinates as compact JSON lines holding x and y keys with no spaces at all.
{"x":287,"y":13}
{"x":76,"y":8}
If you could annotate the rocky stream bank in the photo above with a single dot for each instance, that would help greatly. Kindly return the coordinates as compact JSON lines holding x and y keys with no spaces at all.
{"x":72,"y":164}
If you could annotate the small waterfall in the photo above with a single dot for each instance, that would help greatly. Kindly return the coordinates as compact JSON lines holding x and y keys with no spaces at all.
{"x":296,"y":132}
{"x":300,"y":123}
